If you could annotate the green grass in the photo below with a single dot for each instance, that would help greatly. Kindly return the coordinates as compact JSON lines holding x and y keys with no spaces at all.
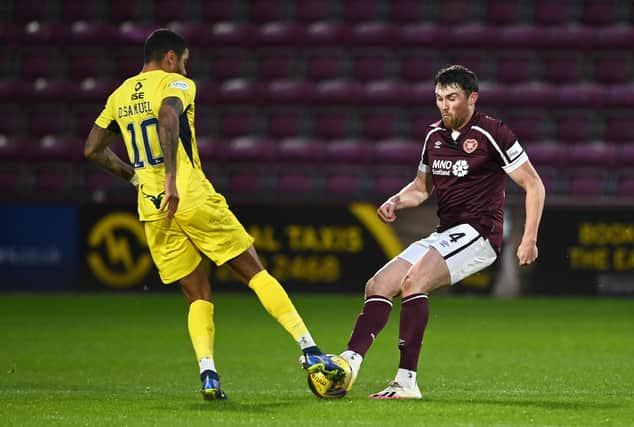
{"x":126,"y":360}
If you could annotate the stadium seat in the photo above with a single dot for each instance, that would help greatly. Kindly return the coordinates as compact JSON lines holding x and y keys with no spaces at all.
{"x":612,"y":68}
{"x":290,"y":92}
{"x":620,"y":95}
{"x":241,"y":91}
{"x":101,"y":180}
{"x":323,"y":33}
{"x":617,"y":129}
{"x":251,"y":149}
{"x":233,"y":124}
{"x":343,"y":185}
{"x":221,"y":11}
{"x":379,"y":126}
{"x":95,"y":90}
{"x":46,"y":122}
{"x":625,"y":186}
{"x":370,"y":67}
{"x":616,"y":37}
{"x":274,"y":67}
{"x":39,"y":63}
{"x":502,"y":12}
{"x":338,"y":92}
{"x":126,"y":64}
{"x":295,"y":183}
{"x":533,"y":94}
{"x":374,"y":34}
{"x":547,"y":154}
{"x":325,"y":66}
{"x":417,"y":68}
{"x":228,"y":66}
{"x":166,"y":11}
{"x":131,"y":33}
{"x":31,"y":10}
{"x":582,"y":95}
{"x":419,"y":124}
{"x":408,"y":11}
{"x":523,"y":36}
{"x":11,"y":181}
{"x":85,"y":10}
{"x":85,"y":64}
{"x":574,"y":129}
{"x":600,"y":13}
{"x":386,"y":93}
{"x":356,"y":11}
{"x":386,"y":184}
{"x":300,"y":149}
{"x":84,"y":119}
{"x":562,"y":69}
{"x":53,"y":148}
{"x":571,"y":37}
{"x":599,"y":156}
{"x":49,"y":180}
{"x":332,"y":125}
{"x":587,"y":185}
{"x":314,"y":10}
{"x":119,"y":11}
{"x":12,"y":148}
{"x":11,"y":123}
{"x":246,"y":182}
{"x":42,"y":33}
{"x":455,"y":12}
{"x":398,"y":151}
{"x":515,"y":69}
{"x":231,"y":34}
{"x":424,"y":35}
{"x":625,"y":156}
{"x":547,"y":12}
{"x":285,"y":124}
{"x":274,"y":34}
{"x":531,"y":127}
{"x":212,"y":150}
{"x":349,"y":151}
{"x":474,"y":35}
{"x":47,"y":90}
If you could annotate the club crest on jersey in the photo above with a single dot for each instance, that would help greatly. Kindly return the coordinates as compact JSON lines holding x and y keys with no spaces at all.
{"x":470,"y":145}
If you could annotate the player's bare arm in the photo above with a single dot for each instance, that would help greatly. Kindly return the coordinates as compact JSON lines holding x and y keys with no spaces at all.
{"x":527,"y":177}
{"x":97,"y":149}
{"x":168,"y":116}
{"x":412,"y":195}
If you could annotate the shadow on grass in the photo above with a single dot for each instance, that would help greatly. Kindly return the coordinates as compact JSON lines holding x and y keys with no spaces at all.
{"x":537,"y":403}
{"x":244,"y":407}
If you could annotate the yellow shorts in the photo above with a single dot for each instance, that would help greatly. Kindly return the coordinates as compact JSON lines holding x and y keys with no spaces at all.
{"x":210,"y":228}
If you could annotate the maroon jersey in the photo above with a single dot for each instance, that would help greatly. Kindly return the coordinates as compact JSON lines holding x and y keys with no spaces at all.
{"x":469,"y":173}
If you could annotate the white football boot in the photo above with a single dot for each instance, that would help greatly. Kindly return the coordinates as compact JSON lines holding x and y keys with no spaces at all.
{"x":396,"y":391}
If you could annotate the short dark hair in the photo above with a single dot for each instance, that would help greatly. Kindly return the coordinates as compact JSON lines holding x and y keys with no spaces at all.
{"x":457,"y":74}
{"x":160,"y":42}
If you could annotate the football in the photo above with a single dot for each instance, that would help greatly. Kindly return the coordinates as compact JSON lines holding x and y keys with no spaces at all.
{"x":326,"y":388}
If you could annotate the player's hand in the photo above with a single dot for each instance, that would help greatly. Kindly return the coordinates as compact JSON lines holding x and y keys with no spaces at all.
{"x":387,"y":211}
{"x":170,"y":202}
{"x":527,"y":252}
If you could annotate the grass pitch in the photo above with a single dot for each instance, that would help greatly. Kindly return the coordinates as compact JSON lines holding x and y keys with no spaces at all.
{"x":126,"y":360}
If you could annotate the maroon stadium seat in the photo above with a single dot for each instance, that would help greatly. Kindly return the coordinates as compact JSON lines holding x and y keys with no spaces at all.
{"x":571,"y":37}
{"x":101,"y":180}
{"x":502,"y":12}
{"x":42,"y":33}
{"x":46,"y":122}
{"x":574,"y":129}
{"x":52,"y":148}
{"x":417,"y":68}
{"x":285,"y":124}
{"x":547,"y":154}
{"x":625,"y":157}
{"x":548,"y":12}
{"x":475,"y":35}
{"x":585,"y":95}
{"x":84,"y":10}
{"x":95,"y":90}
{"x":45,"y":90}
{"x":533,"y":94}
{"x":374,"y":34}
{"x":424,"y":35}
{"x":613,"y":68}
{"x":295,"y":183}
{"x":601,"y":156}
{"x":600,"y":12}
{"x":587,"y":185}
{"x":523,"y":36}
{"x":398,"y":151}
{"x":386,"y":92}
{"x":408,"y":11}
{"x":620,"y":95}
{"x":221,"y":10}
{"x":245,"y":182}
{"x":212,"y":150}
{"x":360,"y":11}
{"x":241,"y":91}
{"x":31,"y":10}
{"x":119,"y":11}
{"x":261,"y":11}
{"x":39,"y":63}
{"x":275,"y":66}
{"x":323,"y":33}
{"x":379,"y":126}
{"x":616,"y":37}
{"x":226,"y":34}
{"x":332,"y":125}
{"x":530,"y":127}
{"x":251,"y":149}
{"x":134,"y":33}
{"x":386,"y":184}
{"x":300,"y":150}
{"x":617,"y":129}
{"x":343,"y":184}
{"x":517,"y":68}
{"x":228,"y":66}
{"x":52,"y":180}
{"x":280,"y":34}
{"x":314,"y":10}
{"x":419,"y":124}
{"x":350,"y":151}
{"x":86,"y":64}
{"x":12,"y":148}
{"x":324,"y":66}
{"x":372,"y":67}
{"x":290,"y":92}
{"x":625,"y":186}
{"x":166,"y":11}
{"x":338,"y":92}
{"x":233,"y":124}
{"x":455,"y":12}
{"x":562,"y":69}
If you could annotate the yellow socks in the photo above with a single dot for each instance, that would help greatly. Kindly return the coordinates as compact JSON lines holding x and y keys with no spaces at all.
{"x":277,"y":303}
{"x":200,"y":323}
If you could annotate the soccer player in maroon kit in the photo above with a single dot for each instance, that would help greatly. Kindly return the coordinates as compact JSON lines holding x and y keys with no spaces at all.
{"x":465,"y":158}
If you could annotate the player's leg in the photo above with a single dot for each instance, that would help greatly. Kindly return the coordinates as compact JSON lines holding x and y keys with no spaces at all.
{"x":377,"y":305}
{"x":277,"y":303}
{"x":178,"y":260}
{"x":200,"y":323}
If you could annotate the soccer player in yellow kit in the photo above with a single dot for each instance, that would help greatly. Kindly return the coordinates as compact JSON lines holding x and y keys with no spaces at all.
{"x":183,"y":215}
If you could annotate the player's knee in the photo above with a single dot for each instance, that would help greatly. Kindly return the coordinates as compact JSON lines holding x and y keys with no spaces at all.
{"x":415,"y":285}
{"x":378,"y":286}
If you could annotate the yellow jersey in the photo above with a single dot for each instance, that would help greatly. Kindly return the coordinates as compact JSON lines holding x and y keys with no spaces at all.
{"x":132,"y":110}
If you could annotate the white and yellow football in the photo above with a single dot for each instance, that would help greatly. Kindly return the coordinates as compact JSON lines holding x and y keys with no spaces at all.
{"x":327,"y":388}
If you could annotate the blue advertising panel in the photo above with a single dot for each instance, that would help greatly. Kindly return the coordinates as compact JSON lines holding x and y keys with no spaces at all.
{"x":38,"y":247}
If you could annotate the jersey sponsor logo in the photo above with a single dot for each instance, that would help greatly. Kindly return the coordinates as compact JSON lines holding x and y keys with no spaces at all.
{"x":458,"y":168}
{"x":470,"y":145}
{"x":437,"y":144}
{"x":514,"y":151}
{"x":179,"y":84}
